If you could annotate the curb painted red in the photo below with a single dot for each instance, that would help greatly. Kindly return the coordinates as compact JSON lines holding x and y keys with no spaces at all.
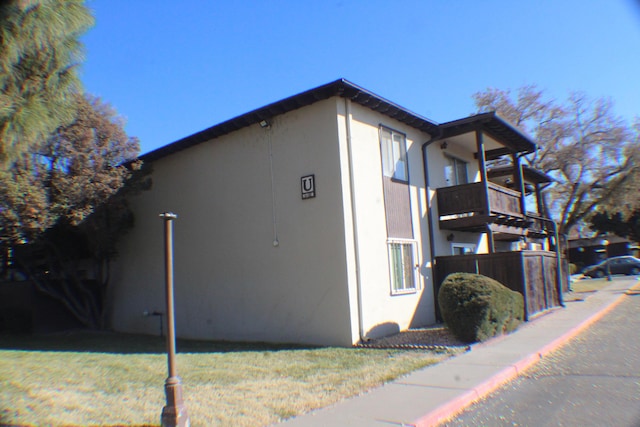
{"x":455,"y":406}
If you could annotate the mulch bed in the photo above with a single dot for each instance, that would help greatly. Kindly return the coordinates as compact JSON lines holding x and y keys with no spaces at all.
{"x":437,"y":337}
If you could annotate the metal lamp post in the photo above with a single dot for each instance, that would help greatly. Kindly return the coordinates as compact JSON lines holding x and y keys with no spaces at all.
{"x":174,"y":414}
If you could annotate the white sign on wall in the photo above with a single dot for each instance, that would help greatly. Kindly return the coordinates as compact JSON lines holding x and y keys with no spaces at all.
{"x":308,"y":186}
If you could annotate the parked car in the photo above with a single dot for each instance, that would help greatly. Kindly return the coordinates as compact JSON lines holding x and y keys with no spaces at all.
{"x":616,"y":265}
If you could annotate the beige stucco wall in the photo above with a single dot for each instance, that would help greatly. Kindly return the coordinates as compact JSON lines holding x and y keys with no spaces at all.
{"x":326,"y":282}
{"x":231,"y":282}
{"x":383,"y":312}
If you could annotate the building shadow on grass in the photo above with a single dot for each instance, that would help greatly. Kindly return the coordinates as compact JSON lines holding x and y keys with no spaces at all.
{"x":111,"y":342}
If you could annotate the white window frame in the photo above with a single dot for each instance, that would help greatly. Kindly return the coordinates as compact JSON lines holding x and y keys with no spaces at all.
{"x":472,"y":246}
{"x":408,"y":271}
{"x":393,"y":147}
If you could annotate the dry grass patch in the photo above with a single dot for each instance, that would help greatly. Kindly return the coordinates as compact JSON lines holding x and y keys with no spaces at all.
{"x":588,"y":286}
{"x":122,"y":382}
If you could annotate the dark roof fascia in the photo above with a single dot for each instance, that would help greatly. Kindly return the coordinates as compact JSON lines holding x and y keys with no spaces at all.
{"x":340,"y":87}
{"x":532,"y":175}
{"x":495,"y":126}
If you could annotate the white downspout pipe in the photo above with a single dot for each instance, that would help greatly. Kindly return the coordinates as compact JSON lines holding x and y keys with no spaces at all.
{"x":354,"y":217}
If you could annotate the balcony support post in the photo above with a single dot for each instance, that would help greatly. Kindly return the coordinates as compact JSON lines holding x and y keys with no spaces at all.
{"x":539,"y":201}
{"x":519,"y":177}
{"x":490,"y":240}
{"x":482,"y":166}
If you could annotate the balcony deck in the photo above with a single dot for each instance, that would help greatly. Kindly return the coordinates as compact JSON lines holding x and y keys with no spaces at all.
{"x":466,"y":208}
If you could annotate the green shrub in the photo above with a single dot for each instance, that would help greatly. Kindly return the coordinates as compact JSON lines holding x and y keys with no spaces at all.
{"x":476,"y":307}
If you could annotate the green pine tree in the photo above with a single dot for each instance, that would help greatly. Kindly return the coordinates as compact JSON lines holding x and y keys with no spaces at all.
{"x":39,"y":54}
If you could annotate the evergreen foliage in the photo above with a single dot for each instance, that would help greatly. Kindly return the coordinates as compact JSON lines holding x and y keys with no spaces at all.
{"x":64,"y":160}
{"x":476,"y":308}
{"x":39,"y":53}
{"x":627,"y":227}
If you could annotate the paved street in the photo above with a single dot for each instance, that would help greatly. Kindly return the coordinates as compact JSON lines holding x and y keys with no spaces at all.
{"x":594,"y":380}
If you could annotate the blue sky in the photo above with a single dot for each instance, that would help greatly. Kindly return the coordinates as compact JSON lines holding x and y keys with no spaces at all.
{"x":174,"y":68}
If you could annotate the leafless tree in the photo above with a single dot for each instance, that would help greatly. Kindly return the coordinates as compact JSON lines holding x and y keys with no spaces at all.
{"x":593,"y":155}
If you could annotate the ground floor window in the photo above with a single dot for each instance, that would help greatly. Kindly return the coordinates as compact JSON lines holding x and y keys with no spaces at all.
{"x":402,"y":265}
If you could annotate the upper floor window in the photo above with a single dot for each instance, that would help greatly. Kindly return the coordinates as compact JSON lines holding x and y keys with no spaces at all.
{"x":455,"y":171}
{"x":393,"y":146}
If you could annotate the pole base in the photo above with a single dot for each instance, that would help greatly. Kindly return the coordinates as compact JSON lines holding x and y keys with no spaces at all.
{"x":174,"y":414}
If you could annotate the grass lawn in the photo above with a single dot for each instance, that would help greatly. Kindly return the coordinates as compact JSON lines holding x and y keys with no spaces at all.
{"x":81,"y":379}
{"x":588,"y":286}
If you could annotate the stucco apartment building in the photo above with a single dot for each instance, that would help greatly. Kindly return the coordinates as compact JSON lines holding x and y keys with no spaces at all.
{"x":311,"y":220}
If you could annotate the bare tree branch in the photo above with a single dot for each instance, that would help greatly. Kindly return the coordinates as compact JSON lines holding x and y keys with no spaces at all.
{"x":590,"y":152}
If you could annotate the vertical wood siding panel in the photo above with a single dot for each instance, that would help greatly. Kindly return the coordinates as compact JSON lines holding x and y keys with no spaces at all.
{"x":398,"y":209}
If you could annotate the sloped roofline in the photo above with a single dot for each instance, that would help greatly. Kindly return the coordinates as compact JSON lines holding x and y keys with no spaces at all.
{"x":340,"y":87}
{"x":495,"y":126}
{"x":533,"y":175}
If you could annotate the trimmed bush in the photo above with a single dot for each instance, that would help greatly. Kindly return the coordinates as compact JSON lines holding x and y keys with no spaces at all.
{"x":476,"y":307}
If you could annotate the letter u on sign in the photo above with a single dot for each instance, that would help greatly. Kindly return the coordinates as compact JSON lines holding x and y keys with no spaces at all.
{"x":308,"y":186}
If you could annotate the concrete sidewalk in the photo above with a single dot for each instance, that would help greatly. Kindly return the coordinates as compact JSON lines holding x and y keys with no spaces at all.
{"x":433,"y":394}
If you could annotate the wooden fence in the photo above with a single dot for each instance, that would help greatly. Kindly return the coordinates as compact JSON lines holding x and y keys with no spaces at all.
{"x":532,"y":273}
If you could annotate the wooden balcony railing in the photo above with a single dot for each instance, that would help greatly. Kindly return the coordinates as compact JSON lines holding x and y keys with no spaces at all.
{"x":503,"y":201}
{"x":467,"y":206}
{"x":540,"y":227}
{"x":470,"y":199}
